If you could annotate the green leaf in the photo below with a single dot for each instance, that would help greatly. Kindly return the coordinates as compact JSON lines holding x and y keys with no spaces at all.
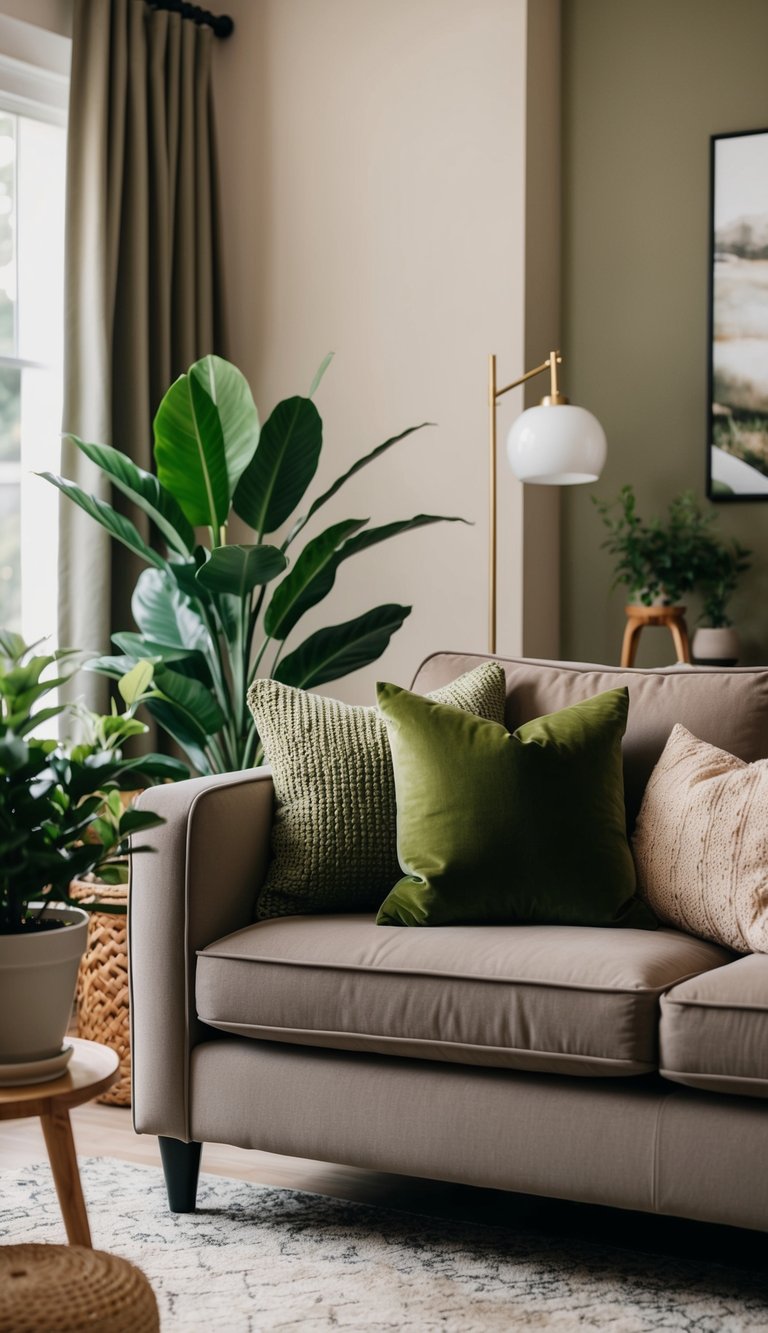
{"x":112,"y":666}
{"x":321,"y":369}
{"x":145,"y":490}
{"x":189,"y":451}
{"x":136,"y":682}
{"x":116,"y":524}
{"x":229,"y":390}
{"x":193,"y":700}
{"x":12,"y":645}
{"x":22,"y":725}
{"x":148,"y":768}
{"x":174,"y":721}
{"x":361,"y":463}
{"x":137,"y":821}
{"x":340,"y":649}
{"x":110,"y":874}
{"x":14,"y":754}
{"x":282,"y":467}
{"x":164,"y":614}
{"x":372,"y":536}
{"x":239,"y":569}
{"x":310,"y":580}
{"x":139,"y":647}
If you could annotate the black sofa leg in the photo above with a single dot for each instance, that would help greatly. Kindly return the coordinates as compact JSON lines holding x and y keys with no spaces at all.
{"x":181,"y":1167}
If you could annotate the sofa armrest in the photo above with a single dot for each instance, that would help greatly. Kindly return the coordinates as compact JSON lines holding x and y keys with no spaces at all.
{"x":199,"y":884}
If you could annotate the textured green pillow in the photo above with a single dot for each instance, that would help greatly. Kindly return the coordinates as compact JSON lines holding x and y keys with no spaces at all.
{"x":334,"y":831}
{"x":520,"y":828}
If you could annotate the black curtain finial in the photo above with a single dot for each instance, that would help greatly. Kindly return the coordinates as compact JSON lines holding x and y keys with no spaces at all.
{"x":222,"y":24}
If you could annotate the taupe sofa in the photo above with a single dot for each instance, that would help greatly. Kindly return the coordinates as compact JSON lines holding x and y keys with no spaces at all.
{"x":619,"y":1067}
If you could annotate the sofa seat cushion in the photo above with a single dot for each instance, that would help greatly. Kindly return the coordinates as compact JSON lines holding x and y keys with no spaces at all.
{"x":564,"y":999}
{"x":714,"y":1029}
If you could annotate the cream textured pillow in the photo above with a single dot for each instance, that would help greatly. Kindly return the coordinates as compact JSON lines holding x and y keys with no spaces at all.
{"x":334,"y":830}
{"x":701,"y":843}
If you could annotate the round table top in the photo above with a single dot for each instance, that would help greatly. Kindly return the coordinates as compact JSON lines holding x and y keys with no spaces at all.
{"x":92,"y":1069}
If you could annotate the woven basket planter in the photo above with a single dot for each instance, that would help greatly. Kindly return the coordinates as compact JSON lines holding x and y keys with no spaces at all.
{"x":102,"y":985}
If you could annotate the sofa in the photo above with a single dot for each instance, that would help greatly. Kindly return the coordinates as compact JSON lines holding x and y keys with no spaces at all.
{"x":614,"y":1066}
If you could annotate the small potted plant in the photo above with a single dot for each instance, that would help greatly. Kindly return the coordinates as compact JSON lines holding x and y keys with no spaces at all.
{"x":716,"y":642}
{"x":663,"y":559}
{"x":53,"y":800}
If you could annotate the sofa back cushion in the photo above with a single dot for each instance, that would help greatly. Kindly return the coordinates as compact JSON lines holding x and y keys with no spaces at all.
{"x":728,"y":708}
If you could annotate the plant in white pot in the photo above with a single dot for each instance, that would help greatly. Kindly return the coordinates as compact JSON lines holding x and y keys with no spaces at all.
{"x":716,"y":642}
{"x":52,"y":799}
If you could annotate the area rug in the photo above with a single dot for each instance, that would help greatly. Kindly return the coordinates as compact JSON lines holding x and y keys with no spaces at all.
{"x":254,"y":1259}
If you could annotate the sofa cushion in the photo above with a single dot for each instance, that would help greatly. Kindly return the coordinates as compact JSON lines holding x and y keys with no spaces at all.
{"x":563,"y":999}
{"x":728,"y":708}
{"x":714,"y":1029}
{"x":334,"y":832}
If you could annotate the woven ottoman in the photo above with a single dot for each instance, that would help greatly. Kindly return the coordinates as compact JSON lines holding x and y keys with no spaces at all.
{"x":64,"y":1288}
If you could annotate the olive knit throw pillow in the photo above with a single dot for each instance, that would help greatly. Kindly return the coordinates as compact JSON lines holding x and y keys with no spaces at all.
{"x":334,"y":831}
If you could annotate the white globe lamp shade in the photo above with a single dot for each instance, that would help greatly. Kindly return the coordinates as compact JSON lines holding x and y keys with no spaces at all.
{"x":556,"y":444}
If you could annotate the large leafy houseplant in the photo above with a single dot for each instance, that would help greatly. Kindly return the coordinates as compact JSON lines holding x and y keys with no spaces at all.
{"x":211,"y":614}
{"x":60,"y":809}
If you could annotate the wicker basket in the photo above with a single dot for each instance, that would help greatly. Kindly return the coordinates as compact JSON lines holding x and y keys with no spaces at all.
{"x":102,"y":983}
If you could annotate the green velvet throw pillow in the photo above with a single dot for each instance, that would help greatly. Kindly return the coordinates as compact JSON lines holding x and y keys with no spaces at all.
{"x":334,"y":829}
{"x":521,"y":828}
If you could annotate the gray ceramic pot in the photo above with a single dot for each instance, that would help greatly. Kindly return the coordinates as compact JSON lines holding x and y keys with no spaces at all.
{"x":38,"y":975}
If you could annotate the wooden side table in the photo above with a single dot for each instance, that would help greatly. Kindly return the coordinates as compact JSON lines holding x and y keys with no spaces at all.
{"x":669,"y":617}
{"x":92,"y":1069}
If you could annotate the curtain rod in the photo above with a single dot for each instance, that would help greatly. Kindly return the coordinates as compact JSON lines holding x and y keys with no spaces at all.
{"x":222,"y":24}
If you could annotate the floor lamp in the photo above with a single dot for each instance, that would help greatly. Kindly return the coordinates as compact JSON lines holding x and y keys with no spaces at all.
{"x":554,"y":444}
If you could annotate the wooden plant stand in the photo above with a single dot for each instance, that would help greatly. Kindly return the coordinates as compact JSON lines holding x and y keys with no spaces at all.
{"x":91,"y":1070}
{"x":668,"y":617}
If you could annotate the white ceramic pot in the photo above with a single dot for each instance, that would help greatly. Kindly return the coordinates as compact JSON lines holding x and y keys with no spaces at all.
{"x":38,"y":975}
{"x":716,"y":647}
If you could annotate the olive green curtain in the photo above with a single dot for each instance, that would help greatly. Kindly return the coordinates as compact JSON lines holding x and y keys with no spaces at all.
{"x":141,"y":281}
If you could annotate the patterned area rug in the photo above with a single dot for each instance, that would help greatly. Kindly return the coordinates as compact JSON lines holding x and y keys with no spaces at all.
{"x":255,"y":1259}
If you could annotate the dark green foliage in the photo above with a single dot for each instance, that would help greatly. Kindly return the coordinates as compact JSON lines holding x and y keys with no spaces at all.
{"x":61,"y":814}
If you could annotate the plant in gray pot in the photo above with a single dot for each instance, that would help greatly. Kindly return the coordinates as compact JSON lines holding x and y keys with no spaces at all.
{"x":716,"y":642}
{"x":52,"y":802}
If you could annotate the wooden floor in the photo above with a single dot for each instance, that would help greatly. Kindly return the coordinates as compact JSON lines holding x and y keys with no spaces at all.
{"x":106,"y":1131}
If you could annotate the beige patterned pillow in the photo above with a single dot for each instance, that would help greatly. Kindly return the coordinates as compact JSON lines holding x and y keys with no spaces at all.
{"x":701,"y":843}
{"x":334,"y":830}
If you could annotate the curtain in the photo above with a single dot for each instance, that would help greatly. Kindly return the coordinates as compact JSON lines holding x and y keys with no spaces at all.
{"x":141,"y":280}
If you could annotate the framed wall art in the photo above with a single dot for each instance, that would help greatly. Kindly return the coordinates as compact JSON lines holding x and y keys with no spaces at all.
{"x":737,"y":452}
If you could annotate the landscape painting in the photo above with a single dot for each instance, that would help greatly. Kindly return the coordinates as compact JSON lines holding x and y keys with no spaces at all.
{"x":738,"y":378}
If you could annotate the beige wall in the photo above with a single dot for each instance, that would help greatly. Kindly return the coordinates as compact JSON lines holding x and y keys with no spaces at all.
{"x":373,"y":163}
{"x":644,"y":87}
{"x":55,"y":15}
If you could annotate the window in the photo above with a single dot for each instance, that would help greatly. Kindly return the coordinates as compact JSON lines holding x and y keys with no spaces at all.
{"x":32,"y":173}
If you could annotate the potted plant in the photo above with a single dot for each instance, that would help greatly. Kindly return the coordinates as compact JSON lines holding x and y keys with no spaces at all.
{"x":716,"y":642}
{"x":212,"y":614}
{"x":58,"y":820}
{"x":663,"y":559}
